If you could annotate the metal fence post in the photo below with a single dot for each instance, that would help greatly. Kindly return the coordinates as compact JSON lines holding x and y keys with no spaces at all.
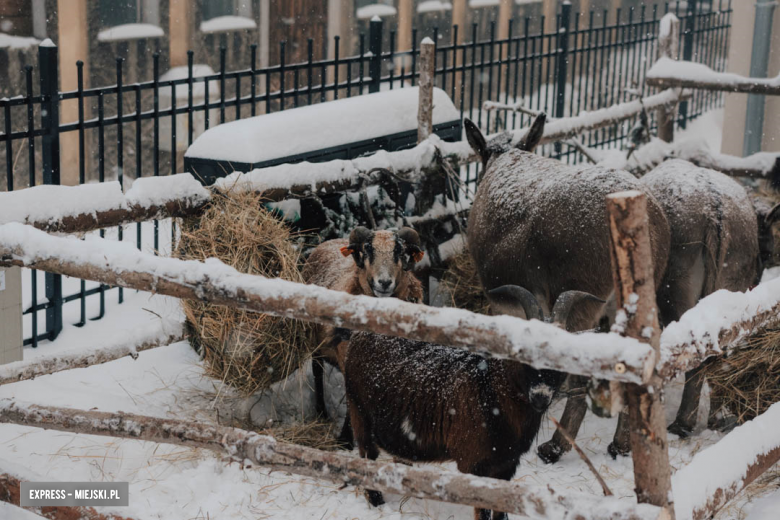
{"x":690,"y":26}
{"x":50,"y":153}
{"x":375,"y":47}
{"x":562,"y":64}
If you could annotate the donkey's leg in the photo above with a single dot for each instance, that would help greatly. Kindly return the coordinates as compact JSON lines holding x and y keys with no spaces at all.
{"x":685,"y":421}
{"x":573,"y":414}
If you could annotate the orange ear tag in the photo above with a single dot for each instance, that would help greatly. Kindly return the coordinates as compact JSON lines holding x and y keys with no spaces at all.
{"x":346,"y":251}
{"x":418,"y":256}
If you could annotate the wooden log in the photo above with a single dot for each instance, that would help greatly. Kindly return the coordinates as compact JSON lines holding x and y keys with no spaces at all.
{"x":746,"y":86}
{"x":681,"y":357}
{"x":115,"y":217}
{"x":24,"y":370}
{"x":637,"y":316}
{"x":720,"y":472}
{"x":425,"y":105}
{"x":668,"y":47}
{"x":422,"y":482}
{"x":539,"y":344}
{"x":10,"y":492}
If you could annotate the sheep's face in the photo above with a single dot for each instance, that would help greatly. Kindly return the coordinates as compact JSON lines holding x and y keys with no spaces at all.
{"x":542,"y":387}
{"x":382,"y":257}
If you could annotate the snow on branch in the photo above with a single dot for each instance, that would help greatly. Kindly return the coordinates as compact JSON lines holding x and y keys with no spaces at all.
{"x":423,"y":482}
{"x":533,"y":342}
{"x":718,"y":473}
{"x":23,"y":370}
{"x":668,"y":73}
{"x":717,"y":323}
{"x":76,"y":209}
{"x":762,"y":165}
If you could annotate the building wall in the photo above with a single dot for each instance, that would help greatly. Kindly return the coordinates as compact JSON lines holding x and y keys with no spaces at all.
{"x":740,"y":48}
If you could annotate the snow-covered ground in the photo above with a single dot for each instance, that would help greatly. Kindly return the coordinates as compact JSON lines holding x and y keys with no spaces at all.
{"x":169,"y":482}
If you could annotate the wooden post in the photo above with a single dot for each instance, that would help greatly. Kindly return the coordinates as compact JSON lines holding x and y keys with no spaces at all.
{"x":425,"y":107}
{"x":637,"y":316}
{"x":459,"y":19}
{"x":504,"y":15}
{"x":668,"y":46}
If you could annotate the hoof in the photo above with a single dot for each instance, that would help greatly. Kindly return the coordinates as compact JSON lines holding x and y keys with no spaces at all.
{"x":549,"y":452}
{"x":615,"y":449}
{"x":374,"y":497}
{"x":680,"y":429}
{"x":722,"y":424}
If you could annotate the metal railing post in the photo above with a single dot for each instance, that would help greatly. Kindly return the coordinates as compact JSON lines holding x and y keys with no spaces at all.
{"x":562,"y":64}
{"x":50,"y":155}
{"x":375,"y":47}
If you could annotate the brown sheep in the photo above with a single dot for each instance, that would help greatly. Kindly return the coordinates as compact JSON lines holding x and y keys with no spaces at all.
{"x":371,"y":263}
{"x":425,"y":402}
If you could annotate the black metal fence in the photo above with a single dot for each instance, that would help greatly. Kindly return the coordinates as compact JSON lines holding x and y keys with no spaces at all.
{"x":593,"y":60}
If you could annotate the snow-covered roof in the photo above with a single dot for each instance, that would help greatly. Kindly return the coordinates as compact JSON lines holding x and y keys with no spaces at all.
{"x":16,"y":42}
{"x":370,"y":11}
{"x":483,"y":3}
{"x":130,"y":31}
{"x":227,"y":23}
{"x":198,"y":88}
{"x":318,"y":127}
{"x":429,"y":6}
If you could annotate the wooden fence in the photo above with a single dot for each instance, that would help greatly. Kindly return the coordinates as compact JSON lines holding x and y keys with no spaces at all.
{"x":639,"y":361}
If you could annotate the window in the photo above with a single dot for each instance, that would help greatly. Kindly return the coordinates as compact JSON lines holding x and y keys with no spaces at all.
{"x":215,"y":8}
{"x":113,"y":13}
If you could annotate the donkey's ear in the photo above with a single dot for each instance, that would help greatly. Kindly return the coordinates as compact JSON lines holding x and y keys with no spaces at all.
{"x":531,"y":139}
{"x":476,"y":140}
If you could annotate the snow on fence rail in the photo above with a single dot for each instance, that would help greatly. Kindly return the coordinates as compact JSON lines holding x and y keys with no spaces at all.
{"x":669,"y":73}
{"x":718,"y":473}
{"x":74,"y":209}
{"x":23,"y":370}
{"x":717,"y":323}
{"x":428,"y":483}
{"x":539,"y":344}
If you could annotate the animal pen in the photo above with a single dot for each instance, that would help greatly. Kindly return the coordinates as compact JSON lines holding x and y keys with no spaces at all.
{"x":594,"y":60}
{"x":640,"y":358}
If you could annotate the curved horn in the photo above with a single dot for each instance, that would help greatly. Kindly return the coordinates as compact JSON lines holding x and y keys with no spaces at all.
{"x":359,"y":235}
{"x":409,"y":236}
{"x":507,"y":298}
{"x":566,"y":302}
{"x":534,"y":135}
{"x":773,"y":214}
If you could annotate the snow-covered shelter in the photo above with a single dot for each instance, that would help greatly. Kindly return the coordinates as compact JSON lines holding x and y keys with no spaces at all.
{"x":341,"y":129}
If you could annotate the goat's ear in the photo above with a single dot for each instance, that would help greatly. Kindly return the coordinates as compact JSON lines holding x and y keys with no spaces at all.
{"x":508,"y":299}
{"x":531,"y":138}
{"x":568,"y":301}
{"x":476,"y":140}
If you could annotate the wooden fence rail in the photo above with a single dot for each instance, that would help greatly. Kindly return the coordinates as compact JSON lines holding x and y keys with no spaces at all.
{"x":538,"y":344}
{"x":422,"y":482}
{"x":669,"y":73}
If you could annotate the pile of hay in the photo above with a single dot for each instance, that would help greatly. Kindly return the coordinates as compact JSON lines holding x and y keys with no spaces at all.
{"x":248,"y":351}
{"x":461,"y":282}
{"x":747,"y":382}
